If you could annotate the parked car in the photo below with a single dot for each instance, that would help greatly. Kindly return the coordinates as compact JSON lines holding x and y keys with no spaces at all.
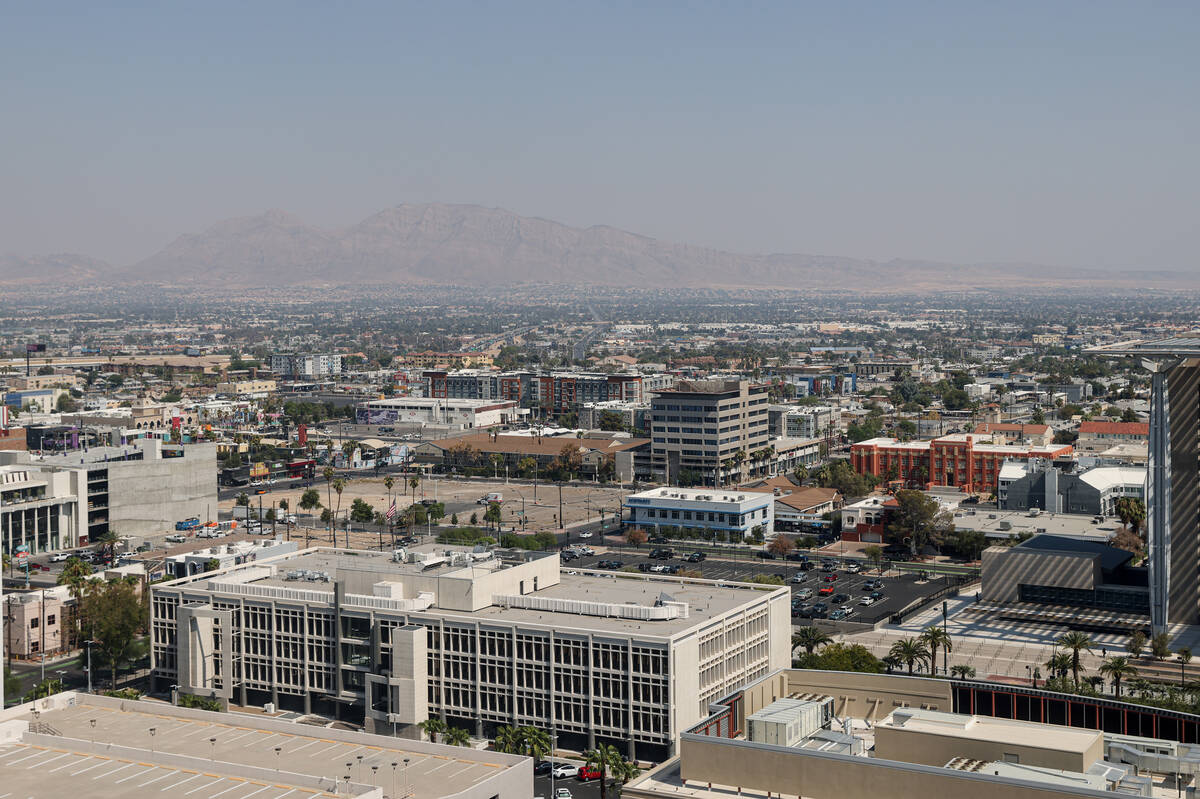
{"x":876,"y":595}
{"x":872,"y":585}
{"x":59,"y":557}
{"x":764,"y":554}
{"x":586,"y":534}
{"x":645,"y":567}
{"x":804,"y":593}
{"x":853,"y":568}
{"x":841,"y":613}
{"x":807,"y":566}
{"x":567,"y":555}
{"x":803,"y":612}
{"x":798,"y":577}
{"x":658,"y":539}
{"x":840,"y":599}
{"x":867,"y":600}
{"x":826,"y":590}
{"x":696,"y":557}
{"x":563,"y":793}
{"x":820,"y":610}
{"x":175,"y":538}
{"x":794,"y":555}
{"x":588,"y":773}
{"x":831,"y":577}
{"x":563,"y":770}
{"x":662,"y":554}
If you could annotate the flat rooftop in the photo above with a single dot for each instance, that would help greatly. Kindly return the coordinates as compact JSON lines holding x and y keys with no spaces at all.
{"x":142,"y":747}
{"x":1071,"y":525}
{"x":994,"y":730}
{"x":705,"y":599}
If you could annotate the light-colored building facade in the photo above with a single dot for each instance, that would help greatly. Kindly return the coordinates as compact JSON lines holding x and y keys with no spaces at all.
{"x":730,"y":513}
{"x":240,"y":388}
{"x":306,"y":366}
{"x":461,"y":413}
{"x":67,"y":499}
{"x":479,"y":638}
{"x":1099,"y":436}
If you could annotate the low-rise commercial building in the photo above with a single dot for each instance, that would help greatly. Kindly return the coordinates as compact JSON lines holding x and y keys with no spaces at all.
{"x":466,"y":414}
{"x":1098,"y":436}
{"x":446,"y":360}
{"x":1025,"y":485}
{"x":506,"y":454}
{"x":730,"y":514}
{"x":242,"y":388}
{"x":479,"y":638}
{"x":306,"y":366}
{"x":910,"y":738}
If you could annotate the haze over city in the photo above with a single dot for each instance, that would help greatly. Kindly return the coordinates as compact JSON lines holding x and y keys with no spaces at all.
{"x":963,"y":133}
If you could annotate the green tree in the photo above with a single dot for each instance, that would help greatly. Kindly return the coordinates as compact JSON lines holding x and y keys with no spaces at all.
{"x":361,"y":512}
{"x":509,"y":741}
{"x":1038,"y":417}
{"x":1184,"y":654}
{"x":243,"y":500}
{"x":1075,"y":642}
{"x":1059,"y":664}
{"x":1117,"y":668}
{"x":920,"y":519}
{"x":935,"y":638}
{"x":874,"y":554}
{"x":492,"y":515}
{"x":810,"y":638}
{"x":339,"y":485}
{"x":433,"y":727}
{"x":841,"y":657}
{"x":106,"y":543}
{"x":1136,"y":644}
{"x":781,"y":545}
{"x":457,"y":736}
{"x":1131,"y":511}
{"x":602,"y":758}
{"x":115,"y":615}
{"x":413,"y":483}
{"x":910,"y":651}
{"x":1160,"y":646}
{"x":962,"y":672}
{"x":12,"y":683}
{"x":1129,"y":415}
{"x":535,"y":742}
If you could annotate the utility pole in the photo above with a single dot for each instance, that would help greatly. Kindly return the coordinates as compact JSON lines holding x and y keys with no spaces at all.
{"x":562,"y":522}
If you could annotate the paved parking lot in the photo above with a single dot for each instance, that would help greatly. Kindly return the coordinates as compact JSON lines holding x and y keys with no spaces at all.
{"x":579,"y":790}
{"x":899,"y":590}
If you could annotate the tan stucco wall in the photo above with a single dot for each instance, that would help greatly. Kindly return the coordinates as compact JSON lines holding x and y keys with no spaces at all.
{"x":816,"y":776}
{"x":932,"y":749}
{"x":870,"y":696}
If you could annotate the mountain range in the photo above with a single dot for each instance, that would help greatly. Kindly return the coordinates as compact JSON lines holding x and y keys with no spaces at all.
{"x":469,"y":245}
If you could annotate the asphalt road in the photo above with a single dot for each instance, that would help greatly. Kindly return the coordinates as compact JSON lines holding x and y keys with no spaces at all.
{"x":579,"y":790}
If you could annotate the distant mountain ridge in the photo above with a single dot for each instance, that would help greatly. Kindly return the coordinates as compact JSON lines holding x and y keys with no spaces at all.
{"x":438,"y":244}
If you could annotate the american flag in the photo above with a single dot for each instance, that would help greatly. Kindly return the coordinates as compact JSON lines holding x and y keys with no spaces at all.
{"x":391,"y":511}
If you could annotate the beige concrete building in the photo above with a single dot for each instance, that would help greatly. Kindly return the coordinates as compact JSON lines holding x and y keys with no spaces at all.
{"x":895,"y":736}
{"x":241,"y":388}
{"x":35,"y":623}
{"x":98,"y":747}
{"x":481,"y":638}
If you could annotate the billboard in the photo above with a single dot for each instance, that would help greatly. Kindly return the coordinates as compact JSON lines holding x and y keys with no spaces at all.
{"x":35,"y":348}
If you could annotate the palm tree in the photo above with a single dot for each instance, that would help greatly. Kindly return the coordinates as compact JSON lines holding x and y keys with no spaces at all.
{"x":935,"y":637}
{"x":1117,"y":668}
{"x":339,"y":485}
{"x":810,"y":638}
{"x":413,"y":482}
{"x":327,"y":473}
{"x":1059,"y":664}
{"x":962,"y":672}
{"x":909,"y":651}
{"x":107,"y":542}
{"x":624,"y":771}
{"x":602,"y":758}
{"x":509,"y":740}
{"x":457,"y":736}
{"x":536,"y":743}
{"x":433,"y":727}
{"x":1075,"y":641}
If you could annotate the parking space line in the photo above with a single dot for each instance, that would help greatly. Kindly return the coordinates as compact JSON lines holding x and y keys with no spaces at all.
{"x":114,"y":771}
{"x":27,"y":757}
{"x":238,"y":784}
{"x":135,"y":776}
{"x":170,"y":772}
{"x":68,"y":765}
{"x":202,"y":787}
{"x":181,"y":782}
{"x":260,"y":790}
{"x":89,"y":768}
{"x":239,"y":737}
{"x":48,"y":762}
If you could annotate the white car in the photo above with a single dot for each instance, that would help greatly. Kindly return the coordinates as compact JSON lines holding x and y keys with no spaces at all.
{"x":176,"y":538}
{"x":563,"y":770}
{"x":59,"y":557}
{"x":853,"y":568}
{"x":867,"y":600}
{"x":585,"y":535}
{"x":563,"y":793}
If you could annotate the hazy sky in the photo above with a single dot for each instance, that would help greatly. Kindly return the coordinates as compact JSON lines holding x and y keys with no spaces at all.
{"x":1050,"y":131}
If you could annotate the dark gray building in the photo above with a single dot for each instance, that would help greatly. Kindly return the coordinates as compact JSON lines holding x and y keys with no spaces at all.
{"x":1066,"y":572}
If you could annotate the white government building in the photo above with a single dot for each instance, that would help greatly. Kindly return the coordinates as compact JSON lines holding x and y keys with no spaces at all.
{"x":479,"y":638}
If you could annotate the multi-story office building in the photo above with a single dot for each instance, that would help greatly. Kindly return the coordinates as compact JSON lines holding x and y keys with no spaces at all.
{"x":481,"y":639}
{"x":462,"y":413}
{"x":452,"y":360}
{"x":801,"y":421}
{"x":306,"y":366}
{"x":962,"y":460}
{"x":701,"y":426}
{"x":552,"y":392}
{"x":731,"y":515}
{"x":66,"y":499}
